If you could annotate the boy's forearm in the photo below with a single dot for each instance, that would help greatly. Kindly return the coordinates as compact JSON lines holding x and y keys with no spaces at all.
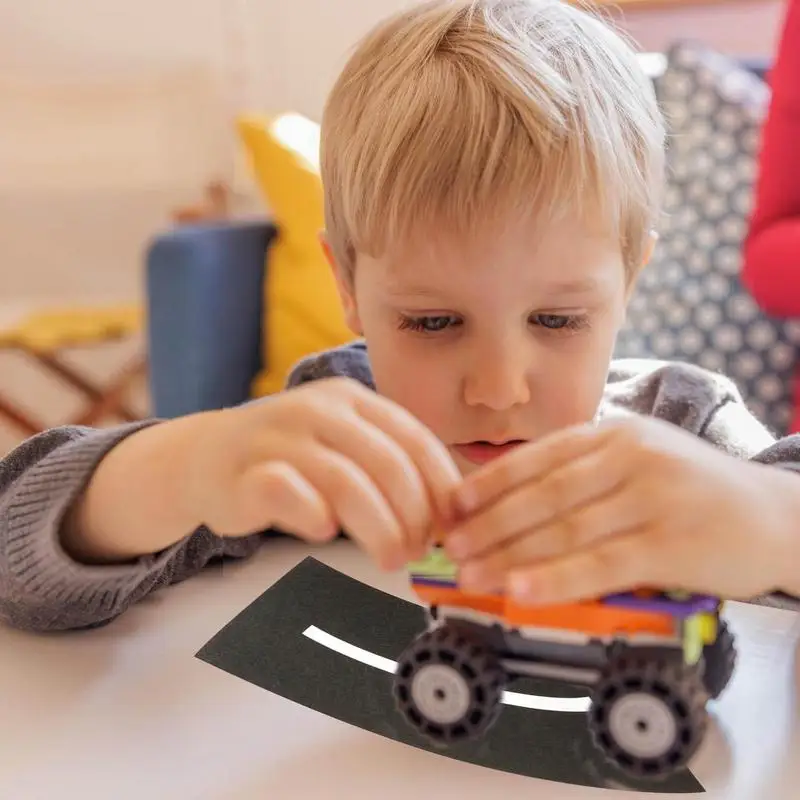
{"x":133,"y":504}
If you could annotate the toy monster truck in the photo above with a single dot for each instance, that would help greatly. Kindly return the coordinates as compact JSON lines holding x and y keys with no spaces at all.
{"x":650,"y":660}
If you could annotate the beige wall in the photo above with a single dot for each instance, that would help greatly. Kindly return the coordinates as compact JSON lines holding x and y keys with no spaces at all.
{"x":741,"y":27}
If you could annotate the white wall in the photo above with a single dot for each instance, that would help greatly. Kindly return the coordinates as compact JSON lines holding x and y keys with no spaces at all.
{"x":112,"y":112}
{"x":78,"y":36}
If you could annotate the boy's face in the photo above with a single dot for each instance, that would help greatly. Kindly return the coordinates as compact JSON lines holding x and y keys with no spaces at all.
{"x":496,"y":344}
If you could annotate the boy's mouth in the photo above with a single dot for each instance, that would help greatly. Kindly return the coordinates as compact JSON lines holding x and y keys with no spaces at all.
{"x":480,"y":452}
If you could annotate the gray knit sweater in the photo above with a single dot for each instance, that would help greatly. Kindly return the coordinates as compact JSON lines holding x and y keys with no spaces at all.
{"x":43,"y":589}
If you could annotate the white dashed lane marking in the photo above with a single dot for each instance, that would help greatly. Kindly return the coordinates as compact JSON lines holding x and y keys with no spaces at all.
{"x":534,"y":701}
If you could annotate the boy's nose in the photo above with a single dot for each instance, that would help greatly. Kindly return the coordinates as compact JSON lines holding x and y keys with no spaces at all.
{"x":498,"y":380}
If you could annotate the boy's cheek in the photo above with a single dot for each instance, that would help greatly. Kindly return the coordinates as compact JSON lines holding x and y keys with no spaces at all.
{"x":425,"y":389}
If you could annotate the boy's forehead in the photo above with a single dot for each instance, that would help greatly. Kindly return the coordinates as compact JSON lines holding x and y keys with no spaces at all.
{"x":567,"y":268}
{"x":564,"y":233}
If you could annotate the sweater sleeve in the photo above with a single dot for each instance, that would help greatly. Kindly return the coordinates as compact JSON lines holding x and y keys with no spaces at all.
{"x":41,"y":587}
{"x":771,"y":267}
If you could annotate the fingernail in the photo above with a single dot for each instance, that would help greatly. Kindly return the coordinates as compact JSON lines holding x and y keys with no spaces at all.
{"x":466,"y":499}
{"x":394,"y":561}
{"x":473,"y":576}
{"x":521,"y":588}
{"x":457,"y":546}
{"x":417,"y":551}
{"x":447,"y":511}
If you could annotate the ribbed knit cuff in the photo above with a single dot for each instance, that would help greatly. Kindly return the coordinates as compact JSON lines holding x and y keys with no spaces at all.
{"x":781,"y":600}
{"x":46,"y":588}
{"x":784,"y":454}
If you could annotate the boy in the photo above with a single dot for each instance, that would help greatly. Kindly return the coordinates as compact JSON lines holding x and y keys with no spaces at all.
{"x":492,"y":171}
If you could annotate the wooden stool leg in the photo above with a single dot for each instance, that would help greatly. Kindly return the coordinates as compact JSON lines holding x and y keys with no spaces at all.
{"x":96,"y":395}
{"x":112,"y":397}
{"x":20,"y":418}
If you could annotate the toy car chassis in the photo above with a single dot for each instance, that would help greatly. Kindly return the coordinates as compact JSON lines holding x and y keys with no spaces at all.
{"x":651,"y":660}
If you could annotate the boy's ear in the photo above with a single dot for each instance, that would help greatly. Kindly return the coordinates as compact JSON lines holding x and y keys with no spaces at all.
{"x":344,"y":283}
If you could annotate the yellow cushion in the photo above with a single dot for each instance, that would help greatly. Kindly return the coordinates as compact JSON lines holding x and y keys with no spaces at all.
{"x":50,"y":330}
{"x":302,"y":307}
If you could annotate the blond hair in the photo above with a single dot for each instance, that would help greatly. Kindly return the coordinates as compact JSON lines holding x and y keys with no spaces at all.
{"x":460,"y":113}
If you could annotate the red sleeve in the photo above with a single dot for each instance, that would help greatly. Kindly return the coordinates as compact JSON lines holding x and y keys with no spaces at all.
{"x":771,"y":268}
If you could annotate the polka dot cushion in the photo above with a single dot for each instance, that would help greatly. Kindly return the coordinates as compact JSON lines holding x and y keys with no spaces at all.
{"x":689,"y":304}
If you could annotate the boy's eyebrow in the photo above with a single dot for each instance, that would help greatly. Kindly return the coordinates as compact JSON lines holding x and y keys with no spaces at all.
{"x":412,"y":291}
{"x":579,"y":286}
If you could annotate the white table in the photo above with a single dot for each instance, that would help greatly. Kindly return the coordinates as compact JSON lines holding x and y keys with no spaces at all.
{"x":127,"y":711}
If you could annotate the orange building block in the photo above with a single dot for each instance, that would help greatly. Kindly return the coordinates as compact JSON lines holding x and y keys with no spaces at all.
{"x":591,"y":618}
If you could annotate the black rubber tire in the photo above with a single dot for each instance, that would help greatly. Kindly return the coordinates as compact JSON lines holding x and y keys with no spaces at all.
{"x":466,"y":673}
{"x":666,"y":687}
{"x":719,"y":661}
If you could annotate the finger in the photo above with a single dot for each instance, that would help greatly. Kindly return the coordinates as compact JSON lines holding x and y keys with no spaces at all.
{"x":356,"y":502}
{"x":557,"y":496}
{"x":614,"y":514}
{"x":428,"y":453}
{"x":277,"y":495}
{"x":528,"y":463}
{"x":389,"y":467}
{"x":618,"y":564}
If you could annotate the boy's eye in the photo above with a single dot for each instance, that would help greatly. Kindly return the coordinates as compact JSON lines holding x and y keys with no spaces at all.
{"x":552,"y":320}
{"x":428,"y":324}
{"x":557,"y":322}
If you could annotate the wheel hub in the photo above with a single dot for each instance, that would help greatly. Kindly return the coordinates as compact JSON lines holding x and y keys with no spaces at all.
{"x":441,"y":694}
{"x":642,"y":725}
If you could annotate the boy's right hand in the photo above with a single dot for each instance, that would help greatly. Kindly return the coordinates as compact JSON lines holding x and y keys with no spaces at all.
{"x":318,"y":458}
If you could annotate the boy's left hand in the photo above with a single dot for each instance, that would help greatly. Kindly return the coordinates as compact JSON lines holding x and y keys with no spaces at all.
{"x":592,"y":510}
